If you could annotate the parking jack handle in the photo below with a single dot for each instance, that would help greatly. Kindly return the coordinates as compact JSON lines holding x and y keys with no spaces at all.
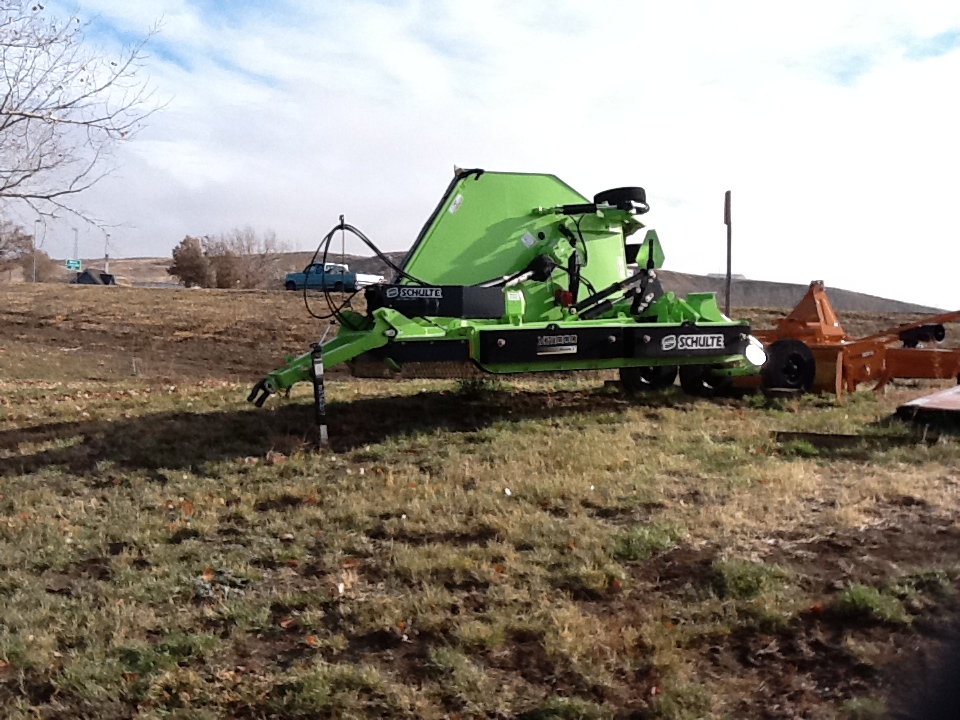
{"x":319,"y":396}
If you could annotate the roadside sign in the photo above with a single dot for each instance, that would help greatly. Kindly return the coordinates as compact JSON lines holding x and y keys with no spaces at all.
{"x":73,"y":265}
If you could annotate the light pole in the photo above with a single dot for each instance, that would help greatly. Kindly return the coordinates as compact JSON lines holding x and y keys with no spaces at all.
{"x":33,"y":247}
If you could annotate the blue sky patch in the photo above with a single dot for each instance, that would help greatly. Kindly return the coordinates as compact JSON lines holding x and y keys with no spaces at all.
{"x":100,"y":31}
{"x":235,"y":12}
{"x":845,"y":67}
{"x":935,"y":46}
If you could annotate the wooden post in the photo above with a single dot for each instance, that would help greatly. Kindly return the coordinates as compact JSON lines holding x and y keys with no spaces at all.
{"x":729,"y":223}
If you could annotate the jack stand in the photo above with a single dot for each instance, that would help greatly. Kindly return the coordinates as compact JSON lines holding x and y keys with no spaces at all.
{"x":319,"y":396}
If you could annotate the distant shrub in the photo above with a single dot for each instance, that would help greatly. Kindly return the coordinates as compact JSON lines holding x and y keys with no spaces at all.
{"x":240,"y":259}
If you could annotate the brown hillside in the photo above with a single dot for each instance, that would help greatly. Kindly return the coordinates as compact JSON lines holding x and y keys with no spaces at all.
{"x":746,"y":293}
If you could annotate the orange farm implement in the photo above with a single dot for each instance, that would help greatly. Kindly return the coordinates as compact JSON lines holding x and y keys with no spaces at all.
{"x":810,"y":350}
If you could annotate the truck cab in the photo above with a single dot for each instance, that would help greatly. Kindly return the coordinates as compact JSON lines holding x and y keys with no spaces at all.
{"x":332,"y":276}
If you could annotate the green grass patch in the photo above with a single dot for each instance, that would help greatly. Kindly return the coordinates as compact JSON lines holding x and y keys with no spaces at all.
{"x":743,"y":580}
{"x":683,"y":702}
{"x":182,"y":555}
{"x":640,"y":542}
{"x":568,"y":708}
{"x":863,"y":708}
{"x":865,"y":603}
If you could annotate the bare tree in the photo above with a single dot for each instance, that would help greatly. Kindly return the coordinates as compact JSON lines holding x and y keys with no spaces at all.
{"x":14,"y":244}
{"x":37,"y":266}
{"x":65,"y":106}
{"x":243,"y":259}
{"x":240,"y":259}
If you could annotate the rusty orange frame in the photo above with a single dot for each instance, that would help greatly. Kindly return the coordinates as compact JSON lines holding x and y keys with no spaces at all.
{"x":844,"y":362}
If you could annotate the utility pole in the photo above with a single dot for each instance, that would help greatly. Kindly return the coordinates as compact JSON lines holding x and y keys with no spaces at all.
{"x":33,"y":247}
{"x":729,"y":223}
{"x":76,"y":244}
{"x":106,"y":255}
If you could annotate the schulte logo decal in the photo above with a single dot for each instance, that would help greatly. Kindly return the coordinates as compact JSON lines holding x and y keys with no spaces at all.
{"x":409,"y":293}
{"x":692,"y":342}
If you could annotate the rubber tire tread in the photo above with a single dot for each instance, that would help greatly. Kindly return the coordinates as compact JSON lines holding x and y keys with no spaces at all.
{"x":693,"y":380}
{"x":643,"y":379}
{"x":616,"y":196}
{"x":776,"y":371}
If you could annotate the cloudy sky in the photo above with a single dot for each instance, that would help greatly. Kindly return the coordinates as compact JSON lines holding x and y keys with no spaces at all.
{"x":835,"y":124}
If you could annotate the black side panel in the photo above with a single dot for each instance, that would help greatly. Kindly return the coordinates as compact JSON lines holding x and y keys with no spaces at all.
{"x":531,"y":346}
{"x":459,"y":301}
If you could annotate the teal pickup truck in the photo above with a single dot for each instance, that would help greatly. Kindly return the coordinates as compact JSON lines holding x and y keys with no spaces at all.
{"x":332,"y":276}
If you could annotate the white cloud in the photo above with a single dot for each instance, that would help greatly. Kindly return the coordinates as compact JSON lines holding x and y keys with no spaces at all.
{"x":838,"y":142}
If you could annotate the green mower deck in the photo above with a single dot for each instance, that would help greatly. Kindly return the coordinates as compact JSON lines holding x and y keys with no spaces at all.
{"x":520,"y":273}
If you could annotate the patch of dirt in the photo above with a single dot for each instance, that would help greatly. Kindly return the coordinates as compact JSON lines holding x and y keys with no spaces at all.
{"x":72,"y":579}
{"x":912,"y":535}
{"x":677,"y":571}
{"x":819,"y":655}
{"x":101,"y":333}
{"x":404,"y":652}
{"x":525,"y":655}
{"x":622,"y":515}
{"x":282,"y":502}
{"x":480,"y":536}
{"x":261,"y":653}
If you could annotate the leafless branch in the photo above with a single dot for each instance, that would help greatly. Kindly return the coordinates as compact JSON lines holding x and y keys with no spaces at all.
{"x":64,"y":107}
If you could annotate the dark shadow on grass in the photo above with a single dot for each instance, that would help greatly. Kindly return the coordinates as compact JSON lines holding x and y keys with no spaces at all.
{"x":182,"y":440}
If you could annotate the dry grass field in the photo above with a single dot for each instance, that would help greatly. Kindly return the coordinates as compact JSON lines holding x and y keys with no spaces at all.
{"x":522,"y":547}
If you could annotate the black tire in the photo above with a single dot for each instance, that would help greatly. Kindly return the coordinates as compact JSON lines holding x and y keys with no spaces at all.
{"x":623,"y":197}
{"x":698,"y":381}
{"x":790,"y":365}
{"x":338,"y":287}
{"x":643,"y":379}
{"x":290,"y":285}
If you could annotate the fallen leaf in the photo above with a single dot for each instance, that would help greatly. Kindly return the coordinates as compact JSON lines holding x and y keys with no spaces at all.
{"x":208,"y":574}
{"x":312,"y":640}
{"x":275,"y":458}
